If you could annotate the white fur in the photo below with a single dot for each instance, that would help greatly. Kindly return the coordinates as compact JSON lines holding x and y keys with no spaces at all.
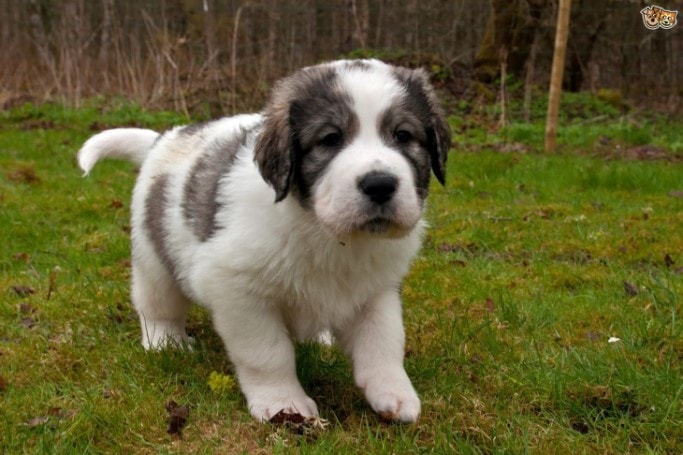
{"x":128,"y":143}
{"x":279,"y":270}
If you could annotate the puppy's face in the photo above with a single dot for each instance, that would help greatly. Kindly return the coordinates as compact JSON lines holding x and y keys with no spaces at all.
{"x":667,"y":19}
{"x":650,"y":17}
{"x":354,"y":141}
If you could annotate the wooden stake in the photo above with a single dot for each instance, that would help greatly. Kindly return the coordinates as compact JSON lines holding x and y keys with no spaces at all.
{"x":556,"y":75}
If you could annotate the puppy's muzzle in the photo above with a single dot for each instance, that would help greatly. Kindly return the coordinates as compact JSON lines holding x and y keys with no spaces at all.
{"x":378,"y":187}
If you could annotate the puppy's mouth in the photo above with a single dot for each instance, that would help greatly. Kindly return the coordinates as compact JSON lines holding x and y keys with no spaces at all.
{"x":377,"y":225}
{"x":384,"y":227}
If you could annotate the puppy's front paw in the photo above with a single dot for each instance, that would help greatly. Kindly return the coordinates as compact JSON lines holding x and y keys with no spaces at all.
{"x":269,"y":403}
{"x":393,"y":398}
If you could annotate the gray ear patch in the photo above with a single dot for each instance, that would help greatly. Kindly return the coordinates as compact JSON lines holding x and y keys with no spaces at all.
{"x":422,"y":98}
{"x":276,"y":151}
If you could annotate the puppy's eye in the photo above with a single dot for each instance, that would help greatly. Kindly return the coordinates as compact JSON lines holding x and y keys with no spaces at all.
{"x":331,"y":140}
{"x":403,"y":136}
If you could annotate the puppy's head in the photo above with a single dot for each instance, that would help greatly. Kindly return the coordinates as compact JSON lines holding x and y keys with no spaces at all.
{"x":667,"y":19}
{"x":354,"y":141}
{"x":650,"y":17}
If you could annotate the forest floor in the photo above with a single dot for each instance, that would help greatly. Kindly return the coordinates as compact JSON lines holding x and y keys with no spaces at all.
{"x":543,"y":315}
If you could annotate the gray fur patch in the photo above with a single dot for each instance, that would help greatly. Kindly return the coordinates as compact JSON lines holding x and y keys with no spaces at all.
{"x":326,"y":109}
{"x":403,"y":117}
{"x":422,"y":102}
{"x":357,"y":65}
{"x":299,"y":107}
{"x":193,"y":128}
{"x":200,"y":204}
{"x":155,"y":211}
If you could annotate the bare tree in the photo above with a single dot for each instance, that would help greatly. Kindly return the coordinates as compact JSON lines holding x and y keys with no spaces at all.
{"x":228,"y":52}
{"x":557,"y":72}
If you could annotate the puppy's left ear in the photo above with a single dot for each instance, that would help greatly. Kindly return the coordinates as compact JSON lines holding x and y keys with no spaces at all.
{"x":274,"y":151}
{"x":438,"y":131}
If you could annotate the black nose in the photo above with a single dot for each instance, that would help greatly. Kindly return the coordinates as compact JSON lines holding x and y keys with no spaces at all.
{"x":378,"y":186}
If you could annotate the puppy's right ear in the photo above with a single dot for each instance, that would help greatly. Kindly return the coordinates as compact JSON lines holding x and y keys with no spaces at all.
{"x":274,"y":151}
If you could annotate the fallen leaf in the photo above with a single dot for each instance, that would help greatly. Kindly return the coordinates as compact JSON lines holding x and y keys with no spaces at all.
{"x":26,"y":308}
{"x":177,"y":417}
{"x":37,"y":421}
{"x":116,"y":204}
{"x":668,"y":262}
{"x":22,"y":257}
{"x":490,"y":306}
{"x":23,"y":291}
{"x":28,"y":322}
{"x":631,"y":289}
{"x":580,"y":426}
{"x":3,"y":384}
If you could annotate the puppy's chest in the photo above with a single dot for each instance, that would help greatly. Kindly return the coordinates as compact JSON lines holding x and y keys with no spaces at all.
{"x":318,"y":275}
{"x":323,"y":298}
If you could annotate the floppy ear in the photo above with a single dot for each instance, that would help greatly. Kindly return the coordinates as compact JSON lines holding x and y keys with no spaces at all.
{"x":274,"y":151}
{"x":438,"y":131}
{"x":439,"y":144}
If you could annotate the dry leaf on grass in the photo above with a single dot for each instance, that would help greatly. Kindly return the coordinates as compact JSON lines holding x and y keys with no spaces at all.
{"x":21,"y":257}
{"x":630,"y":289}
{"x":23,"y":291}
{"x":37,"y":421}
{"x":54,"y":414}
{"x":27,"y":308}
{"x":28,"y":322}
{"x":177,"y":417}
{"x":668,"y":261}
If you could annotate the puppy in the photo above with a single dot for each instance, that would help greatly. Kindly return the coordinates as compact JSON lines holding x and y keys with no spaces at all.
{"x":298,"y":221}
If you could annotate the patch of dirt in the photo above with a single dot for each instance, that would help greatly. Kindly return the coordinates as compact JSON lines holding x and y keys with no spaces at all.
{"x":24,"y":174}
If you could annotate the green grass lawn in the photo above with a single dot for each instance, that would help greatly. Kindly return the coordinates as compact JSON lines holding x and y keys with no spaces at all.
{"x":542,"y":316}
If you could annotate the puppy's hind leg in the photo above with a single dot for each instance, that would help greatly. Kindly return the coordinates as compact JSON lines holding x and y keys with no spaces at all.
{"x":161,"y":306}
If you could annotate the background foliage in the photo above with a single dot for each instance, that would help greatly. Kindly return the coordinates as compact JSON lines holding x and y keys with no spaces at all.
{"x":222,"y":56}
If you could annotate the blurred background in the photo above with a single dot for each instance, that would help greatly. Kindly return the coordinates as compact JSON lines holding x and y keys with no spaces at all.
{"x":213,"y":57}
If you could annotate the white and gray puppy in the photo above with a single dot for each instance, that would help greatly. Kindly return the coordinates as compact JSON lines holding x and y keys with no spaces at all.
{"x":298,"y":221}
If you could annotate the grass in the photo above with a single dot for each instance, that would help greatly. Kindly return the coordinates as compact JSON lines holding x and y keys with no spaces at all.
{"x":532,"y":265}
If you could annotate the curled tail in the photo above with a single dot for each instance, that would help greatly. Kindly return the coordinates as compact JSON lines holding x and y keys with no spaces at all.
{"x":129,"y":143}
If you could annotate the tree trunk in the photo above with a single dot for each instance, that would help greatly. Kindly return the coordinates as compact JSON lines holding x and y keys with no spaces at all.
{"x":361,"y":22}
{"x":556,"y":75}
{"x":588,"y":21}
{"x":512,"y":26}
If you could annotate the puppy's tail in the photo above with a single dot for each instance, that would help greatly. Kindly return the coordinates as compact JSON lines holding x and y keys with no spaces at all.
{"x":132,"y":144}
